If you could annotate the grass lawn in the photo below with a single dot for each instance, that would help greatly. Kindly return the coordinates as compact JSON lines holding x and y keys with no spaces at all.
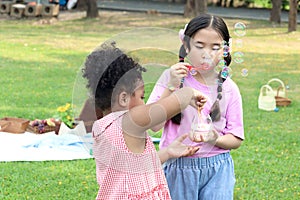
{"x":40,"y":63}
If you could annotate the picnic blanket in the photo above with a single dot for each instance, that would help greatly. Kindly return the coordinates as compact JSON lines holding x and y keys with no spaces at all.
{"x":42,"y":147}
{"x":48,"y":146}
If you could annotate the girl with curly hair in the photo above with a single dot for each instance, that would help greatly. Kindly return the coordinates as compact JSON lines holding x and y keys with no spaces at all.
{"x":127,"y":163}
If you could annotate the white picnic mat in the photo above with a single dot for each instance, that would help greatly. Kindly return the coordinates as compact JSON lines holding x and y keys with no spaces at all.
{"x":42,"y":147}
{"x":68,"y":145}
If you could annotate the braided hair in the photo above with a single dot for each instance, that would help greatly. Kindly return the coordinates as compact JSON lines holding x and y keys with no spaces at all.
{"x":200,"y":22}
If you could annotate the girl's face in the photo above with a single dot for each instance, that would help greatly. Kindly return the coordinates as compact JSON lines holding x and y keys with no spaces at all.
{"x":205,"y":49}
{"x":138,"y":97}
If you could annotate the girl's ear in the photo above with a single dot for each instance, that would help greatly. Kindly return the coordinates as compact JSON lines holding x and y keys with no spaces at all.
{"x":123,"y":99}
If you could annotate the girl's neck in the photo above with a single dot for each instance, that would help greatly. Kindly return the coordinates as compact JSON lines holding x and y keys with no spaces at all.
{"x":106,"y":112}
{"x":115,"y":108}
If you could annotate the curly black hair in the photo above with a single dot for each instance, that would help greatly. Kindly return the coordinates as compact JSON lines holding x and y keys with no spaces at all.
{"x":110,"y":71}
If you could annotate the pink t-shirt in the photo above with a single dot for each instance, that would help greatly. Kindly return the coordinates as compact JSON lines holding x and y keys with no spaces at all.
{"x":122,"y":174}
{"x":231,"y":113}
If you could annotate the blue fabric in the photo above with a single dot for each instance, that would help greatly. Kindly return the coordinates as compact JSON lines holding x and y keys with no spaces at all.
{"x":201,"y":178}
{"x":62,"y":2}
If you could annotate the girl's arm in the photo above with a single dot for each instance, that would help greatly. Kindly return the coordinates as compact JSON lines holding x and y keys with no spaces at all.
{"x":141,"y":118}
{"x":228,"y":141}
{"x":177,"y":72}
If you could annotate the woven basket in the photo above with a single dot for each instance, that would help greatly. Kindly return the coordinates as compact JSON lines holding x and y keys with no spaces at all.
{"x":46,"y":128}
{"x":282,"y":101}
{"x":35,"y":129}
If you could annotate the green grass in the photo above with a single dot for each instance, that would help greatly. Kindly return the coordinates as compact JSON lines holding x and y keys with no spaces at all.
{"x":39,"y":65}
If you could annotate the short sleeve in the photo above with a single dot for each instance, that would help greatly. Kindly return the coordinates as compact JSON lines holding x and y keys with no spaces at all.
{"x":159,"y":87}
{"x":234,"y":113}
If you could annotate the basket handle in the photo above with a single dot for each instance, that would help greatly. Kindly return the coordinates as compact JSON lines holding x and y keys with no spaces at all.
{"x":276,"y":79}
{"x":279,"y":88}
{"x":267,"y":87}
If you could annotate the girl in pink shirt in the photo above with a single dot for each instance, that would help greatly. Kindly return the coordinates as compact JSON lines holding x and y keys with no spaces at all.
{"x":127,"y":164}
{"x":209,"y":173}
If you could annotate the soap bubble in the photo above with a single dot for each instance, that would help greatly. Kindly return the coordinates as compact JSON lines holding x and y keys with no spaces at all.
{"x":244,"y":72}
{"x":220,"y":65}
{"x":238,"y":57}
{"x":240,"y":29}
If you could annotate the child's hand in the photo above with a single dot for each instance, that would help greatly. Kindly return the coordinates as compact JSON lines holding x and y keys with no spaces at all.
{"x":177,"y":72}
{"x":177,"y":149}
{"x":210,"y":137}
{"x":198,"y":100}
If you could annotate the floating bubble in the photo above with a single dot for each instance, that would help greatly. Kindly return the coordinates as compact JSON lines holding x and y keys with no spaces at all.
{"x":238,"y":57}
{"x":244,"y":72}
{"x":220,"y":65}
{"x":226,"y":51}
{"x":240,"y":29}
{"x":239,"y":43}
{"x":226,"y":71}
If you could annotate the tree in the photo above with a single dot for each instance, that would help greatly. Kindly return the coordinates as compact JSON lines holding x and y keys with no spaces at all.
{"x":293,"y":16}
{"x":275,"y":15}
{"x":195,"y":7}
{"x":225,"y":3}
{"x":90,"y":6}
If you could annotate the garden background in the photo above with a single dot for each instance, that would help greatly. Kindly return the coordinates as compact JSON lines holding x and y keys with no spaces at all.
{"x":39,"y":64}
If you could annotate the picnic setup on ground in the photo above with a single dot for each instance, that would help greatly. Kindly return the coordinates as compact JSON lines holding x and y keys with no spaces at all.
{"x":60,"y":137}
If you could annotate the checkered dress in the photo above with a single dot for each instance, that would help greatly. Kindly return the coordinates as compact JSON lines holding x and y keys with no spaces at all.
{"x":122,"y":174}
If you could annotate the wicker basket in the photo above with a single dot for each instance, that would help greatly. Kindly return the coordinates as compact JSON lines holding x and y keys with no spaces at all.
{"x":282,"y":101}
{"x":280,"y":93}
{"x":46,"y":128}
{"x":35,"y":129}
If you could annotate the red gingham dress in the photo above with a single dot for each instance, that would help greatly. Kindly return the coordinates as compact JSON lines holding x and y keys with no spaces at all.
{"x":122,"y":174}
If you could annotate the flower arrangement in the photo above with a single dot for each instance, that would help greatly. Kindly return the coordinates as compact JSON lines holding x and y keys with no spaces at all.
{"x":66,"y":115}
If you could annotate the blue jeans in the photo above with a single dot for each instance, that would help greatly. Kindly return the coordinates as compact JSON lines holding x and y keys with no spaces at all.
{"x":209,"y":178}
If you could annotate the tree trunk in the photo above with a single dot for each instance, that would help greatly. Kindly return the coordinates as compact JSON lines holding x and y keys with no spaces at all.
{"x":195,"y":7}
{"x":293,"y":16}
{"x":219,"y":3}
{"x":90,"y":6}
{"x":275,"y":15}
{"x":81,"y":5}
{"x":92,"y":9}
{"x":200,"y":7}
{"x":189,"y":9}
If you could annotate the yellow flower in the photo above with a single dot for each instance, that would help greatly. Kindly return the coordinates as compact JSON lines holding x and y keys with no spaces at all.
{"x":60,"y":109}
{"x":65,"y":114}
{"x":68,"y":105}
